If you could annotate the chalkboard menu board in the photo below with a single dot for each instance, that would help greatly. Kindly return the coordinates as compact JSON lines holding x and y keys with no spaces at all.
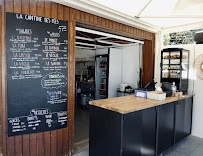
{"x":37,"y":71}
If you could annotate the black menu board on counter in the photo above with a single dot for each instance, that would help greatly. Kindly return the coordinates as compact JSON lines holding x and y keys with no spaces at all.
{"x":37,"y":71}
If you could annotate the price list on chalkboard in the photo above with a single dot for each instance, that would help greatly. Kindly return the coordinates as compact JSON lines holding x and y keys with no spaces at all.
{"x":37,"y":71}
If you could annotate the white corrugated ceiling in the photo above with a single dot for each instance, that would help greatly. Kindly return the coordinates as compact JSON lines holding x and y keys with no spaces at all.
{"x":162,"y":13}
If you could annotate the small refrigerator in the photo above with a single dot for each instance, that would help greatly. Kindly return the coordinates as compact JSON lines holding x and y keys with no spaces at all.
{"x":101,"y":76}
{"x":175,"y":67}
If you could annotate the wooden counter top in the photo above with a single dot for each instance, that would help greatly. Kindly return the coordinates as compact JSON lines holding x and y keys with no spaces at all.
{"x":127,"y":104}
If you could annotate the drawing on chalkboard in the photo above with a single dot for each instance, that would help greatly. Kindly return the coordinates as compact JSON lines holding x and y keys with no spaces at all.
{"x":57,"y":34}
{"x":40,"y":111}
{"x":62,"y":29}
{"x":54,"y":80}
{"x":35,"y":118}
{"x":53,"y":34}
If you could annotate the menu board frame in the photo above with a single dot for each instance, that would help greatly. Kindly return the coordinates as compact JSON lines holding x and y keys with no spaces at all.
{"x":37,"y":73}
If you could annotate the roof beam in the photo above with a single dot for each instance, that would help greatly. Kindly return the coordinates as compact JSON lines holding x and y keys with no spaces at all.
{"x":171,"y":16}
{"x":100,"y":41}
{"x":107,"y":42}
{"x":84,"y":38}
{"x":88,"y":44}
{"x":108,"y":35}
{"x":101,"y":38}
{"x":84,"y":47}
{"x":143,"y":8}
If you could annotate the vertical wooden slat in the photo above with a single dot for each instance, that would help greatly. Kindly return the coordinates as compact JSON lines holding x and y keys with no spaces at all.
{"x":103,"y":22}
{"x":40,"y":8}
{"x":10,"y":140}
{"x":17,"y":6}
{"x":33,"y":145}
{"x":87,"y":17}
{"x":60,"y":131}
{"x":82,"y":16}
{"x":54,"y":14}
{"x":40,"y":144}
{"x":148,"y":62}
{"x":54,"y":10}
{"x":153,"y":56}
{"x":107,"y":24}
{"x":53,"y":143}
{"x":117,"y":26}
{"x":135,"y":31}
{"x":66,"y":13}
{"x":91,"y":19}
{"x":76,"y":14}
{"x":3,"y":140}
{"x":1,"y":117}
{"x":71,"y":81}
{"x":60,"y":12}
{"x":114,"y":25}
{"x":95,"y":20}
{"x":26,"y":144}
{"x":25,"y":6}
{"x":47,"y":143}
{"x":47,"y":7}
{"x":121,"y":27}
{"x":33,"y":137}
{"x":99,"y":21}
{"x":110,"y":24}
{"x":65,"y":130}
{"x":132,"y":30}
{"x":60,"y":142}
{"x":127,"y":28}
{"x":33,"y":7}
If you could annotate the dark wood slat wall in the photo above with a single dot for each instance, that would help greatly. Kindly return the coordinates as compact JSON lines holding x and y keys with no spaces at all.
{"x":94,"y":20}
{"x":58,"y":142}
{"x":39,"y":144}
{"x":66,"y":151}
{"x":148,"y":62}
{"x":1,"y":119}
{"x":71,"y":78}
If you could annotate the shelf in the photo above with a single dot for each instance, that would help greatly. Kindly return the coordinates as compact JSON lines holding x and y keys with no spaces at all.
{"x":172,"y":58}
{"x":173,"y":64}
{"x":171,"y":69}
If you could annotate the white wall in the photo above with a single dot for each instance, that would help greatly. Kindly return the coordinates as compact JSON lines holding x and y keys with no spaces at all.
{"x":115,"y":71}
{"x":130,"y":70}
{"x":123,"y":68}
{"x":195,"y":87}
{"x":102,"y":51}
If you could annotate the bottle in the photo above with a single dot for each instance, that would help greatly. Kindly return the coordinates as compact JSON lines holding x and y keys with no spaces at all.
{"x":173,"y":88}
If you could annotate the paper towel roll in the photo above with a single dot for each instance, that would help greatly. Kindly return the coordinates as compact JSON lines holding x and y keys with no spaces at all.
{"x":122,"y":87}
